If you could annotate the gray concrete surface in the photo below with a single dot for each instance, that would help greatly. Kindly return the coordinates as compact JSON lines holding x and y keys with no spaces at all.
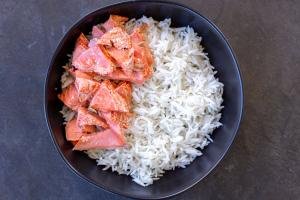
{"x":264,"y":160}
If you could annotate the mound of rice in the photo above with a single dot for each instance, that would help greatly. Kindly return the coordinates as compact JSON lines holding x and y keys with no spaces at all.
{"x":176,"y":110}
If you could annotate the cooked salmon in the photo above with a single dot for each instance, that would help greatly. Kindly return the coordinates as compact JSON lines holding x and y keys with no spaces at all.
{"x":85,"y":85}
{"x":80,"y":74}
{"x":93,"y":42}
{"x":140,"y":60}
{"x":147,"y":71}
{"x":138,"y":34}
{"x":88,"y":128}
{"x":95,"y":59}
{"x":107,"y":99}
{"x":85,"y":117}
{"x":124,"y":58}
{"x":98,"y":31}
{"x":80,"y":46}
{"x":106,"y":139}
{"x":116,"y":37}
{"x":111,"y":53}
{"x":125,"y":90}
{"x":117,"y":121}
{"x":87,"y":75}
{"x":121,"y":118}
{"x":115,"y":21}
{"x":118,"y":74}
{"x":74,"y":132}
{"x":143,"y":59}
{"x":70,"y":97}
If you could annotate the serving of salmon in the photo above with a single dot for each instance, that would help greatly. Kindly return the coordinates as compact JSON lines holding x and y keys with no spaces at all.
{"x":103,"y":69}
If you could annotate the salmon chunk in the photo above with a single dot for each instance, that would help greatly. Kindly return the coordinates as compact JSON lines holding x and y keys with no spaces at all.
{"x":80,"y":74}
{"x":117,"y":121}
{"x":85,"y":85}
{"x":107,"y":99}
{"x":143,"y":58}
{"x":98,"y":31}
{"x":142,"y":63}
{"x":116,"y":37}
{"x":135,"y":77}
{"x":115,"y":21}
{"x":121,"y":57}
{"x":74,"y":132}
{"x":80,"y":46}
{"x":85,"y":117}
{"x":87,"y":75}
{"x":125,"y":90}
{"x":93,"y":42}
{"x":106,"y":139}
{"x":95,"y":59}
{"x":70,"y":97}
{"x":88,"y":128}
{"x":124,"y":58}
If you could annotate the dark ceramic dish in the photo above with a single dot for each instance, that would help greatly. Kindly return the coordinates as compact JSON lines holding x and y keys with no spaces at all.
{"x":221,"y":56}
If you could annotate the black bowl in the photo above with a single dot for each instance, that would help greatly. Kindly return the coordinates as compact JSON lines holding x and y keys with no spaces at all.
{"x":221,"y":56}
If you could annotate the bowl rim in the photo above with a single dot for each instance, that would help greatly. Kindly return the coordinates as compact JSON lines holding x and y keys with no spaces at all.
{"x":112,"y":190}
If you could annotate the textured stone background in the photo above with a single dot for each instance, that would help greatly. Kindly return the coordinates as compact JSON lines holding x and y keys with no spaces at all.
{"x":264,"y":160}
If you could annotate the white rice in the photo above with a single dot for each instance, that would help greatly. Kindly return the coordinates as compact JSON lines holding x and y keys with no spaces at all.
{"x":176,"y":110}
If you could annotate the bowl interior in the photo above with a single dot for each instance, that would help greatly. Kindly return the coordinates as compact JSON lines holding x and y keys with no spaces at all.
{"x":220,"y":56}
